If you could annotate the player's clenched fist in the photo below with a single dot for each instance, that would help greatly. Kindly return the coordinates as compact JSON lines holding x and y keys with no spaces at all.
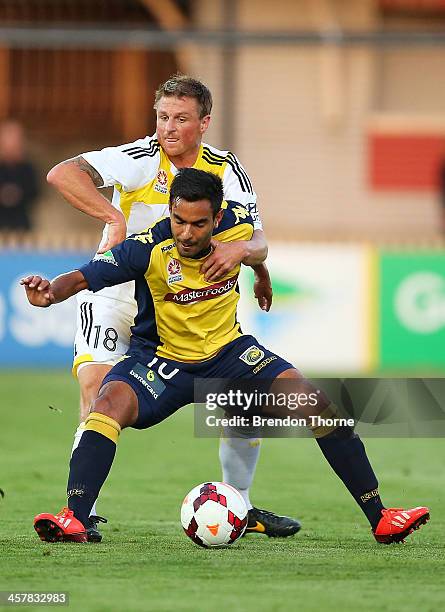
{"x":38,"y":291}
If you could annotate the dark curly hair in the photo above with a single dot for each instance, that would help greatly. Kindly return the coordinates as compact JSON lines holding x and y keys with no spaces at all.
{"x":192,"y":185}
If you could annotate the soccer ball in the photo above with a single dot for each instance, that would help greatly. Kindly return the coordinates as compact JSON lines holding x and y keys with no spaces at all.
{"x":214,"y":515}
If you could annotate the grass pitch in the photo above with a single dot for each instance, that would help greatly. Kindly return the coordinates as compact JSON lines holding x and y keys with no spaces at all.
{"x":145,"y":561}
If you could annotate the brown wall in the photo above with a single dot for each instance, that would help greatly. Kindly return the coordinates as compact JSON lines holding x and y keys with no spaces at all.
{"x":299,"y":117}
{"x":303,"y":116}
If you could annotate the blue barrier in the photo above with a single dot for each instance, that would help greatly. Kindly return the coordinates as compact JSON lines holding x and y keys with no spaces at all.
{"x":29,"y":336}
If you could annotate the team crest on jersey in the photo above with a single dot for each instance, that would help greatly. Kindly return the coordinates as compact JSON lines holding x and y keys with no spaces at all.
{"x":161,"y":182}
{"x":252,"y":355}
{"x":174,"y":271}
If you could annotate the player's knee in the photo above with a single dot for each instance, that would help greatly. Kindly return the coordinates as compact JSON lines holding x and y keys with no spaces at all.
{"x":103,"y":404}
{"x":118,"y":401}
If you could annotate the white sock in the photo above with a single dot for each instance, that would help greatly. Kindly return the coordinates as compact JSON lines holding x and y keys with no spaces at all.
{"x":77,"y":436}
{"x":238,"y":457}
{"x":93,"y":509}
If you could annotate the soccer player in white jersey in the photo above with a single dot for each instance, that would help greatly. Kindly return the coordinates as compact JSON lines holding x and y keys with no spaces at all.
{"x":141,"y":174}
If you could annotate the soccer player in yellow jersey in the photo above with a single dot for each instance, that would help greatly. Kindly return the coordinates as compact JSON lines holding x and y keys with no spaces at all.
{"x":141,"y":174}
{"x":186,"y":328}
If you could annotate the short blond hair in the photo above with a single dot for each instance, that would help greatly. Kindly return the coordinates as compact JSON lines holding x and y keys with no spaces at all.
{"x":183,"y":86}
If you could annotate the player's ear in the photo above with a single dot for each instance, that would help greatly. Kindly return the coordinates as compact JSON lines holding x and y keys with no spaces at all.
{"x":205,"y":123}
{"x":218,"y":217}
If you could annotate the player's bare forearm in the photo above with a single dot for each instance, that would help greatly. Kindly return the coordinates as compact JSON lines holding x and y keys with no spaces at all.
{"x":262,"y":287}
{"x":255,"y":249}
{"x":68,"y":284}
{"x":42,"y":292}
{"x":78,"y":182}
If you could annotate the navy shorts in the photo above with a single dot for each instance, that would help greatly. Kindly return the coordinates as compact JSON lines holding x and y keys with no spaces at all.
{"x":164,"y":385}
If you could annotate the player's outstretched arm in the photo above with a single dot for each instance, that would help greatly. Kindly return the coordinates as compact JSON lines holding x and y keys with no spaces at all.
{"x":42,"y":292}
{"x":78,"y":182}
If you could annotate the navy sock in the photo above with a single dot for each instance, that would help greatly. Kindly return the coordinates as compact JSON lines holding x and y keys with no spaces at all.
{"x":346,"y":455}
{"x":89,"y":467}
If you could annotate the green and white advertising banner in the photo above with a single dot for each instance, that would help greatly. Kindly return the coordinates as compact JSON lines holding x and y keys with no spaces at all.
{"x":411,"y":310}
{"x":319,"y":319}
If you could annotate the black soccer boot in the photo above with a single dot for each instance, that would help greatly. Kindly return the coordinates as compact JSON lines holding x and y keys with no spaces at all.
{"x":93,"y":533}
{"x":272,"y":525}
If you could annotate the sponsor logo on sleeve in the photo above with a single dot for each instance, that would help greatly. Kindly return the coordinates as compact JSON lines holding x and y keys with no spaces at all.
{"x":106,"y":257}
{"x":145,"y":238}
{"x":240,"y":213}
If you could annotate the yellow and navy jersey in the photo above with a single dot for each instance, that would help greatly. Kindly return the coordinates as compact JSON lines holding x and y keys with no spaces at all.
{"x":141,"y":175}
{"x":180,"y":314}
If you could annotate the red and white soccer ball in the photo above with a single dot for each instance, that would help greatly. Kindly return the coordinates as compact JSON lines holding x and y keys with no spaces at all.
{"x":214,"y":515}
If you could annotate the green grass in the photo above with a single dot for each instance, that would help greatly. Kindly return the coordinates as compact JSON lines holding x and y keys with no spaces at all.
{"x":147,"y":563}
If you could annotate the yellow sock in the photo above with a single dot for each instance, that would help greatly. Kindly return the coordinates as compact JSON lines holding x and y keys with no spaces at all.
{"x":103,"y":424}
